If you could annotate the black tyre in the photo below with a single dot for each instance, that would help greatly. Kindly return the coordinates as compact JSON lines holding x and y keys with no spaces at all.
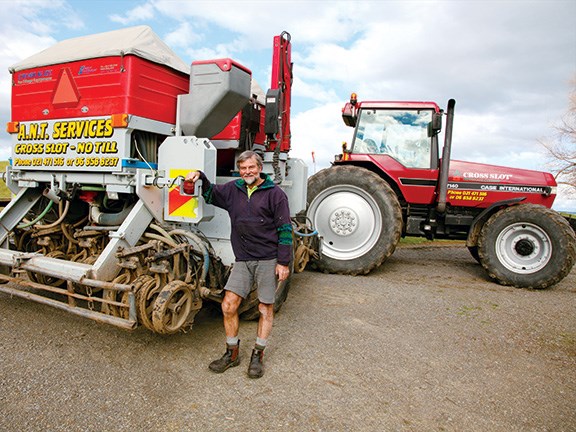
{"x":527,"y":246}
{"x":474,"y":252}
{"x":358,"y":218}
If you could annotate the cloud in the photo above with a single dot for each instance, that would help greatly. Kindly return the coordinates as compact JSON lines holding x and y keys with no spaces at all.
{"x":136,"y":15}
{"x":565,"y":200}
{"x":507,"y":63}
{"x":319,"y":130}
{"x":184,"y":35}
{"x":506,"y":66}
{"x":254,"y":22}
{"x":39,"y":17}
{"x":21,"y":45}
{"x":30,"y":29}
{"x":257,"y":20}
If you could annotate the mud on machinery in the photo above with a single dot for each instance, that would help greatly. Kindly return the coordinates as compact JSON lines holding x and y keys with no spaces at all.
{"x":104,"y":128}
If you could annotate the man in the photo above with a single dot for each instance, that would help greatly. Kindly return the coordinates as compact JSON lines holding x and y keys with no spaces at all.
{"x":262,"y":243}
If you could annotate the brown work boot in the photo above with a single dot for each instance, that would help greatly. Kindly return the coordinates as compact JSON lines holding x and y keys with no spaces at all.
{"x":256,"y":368}
{"x":228,"y":360}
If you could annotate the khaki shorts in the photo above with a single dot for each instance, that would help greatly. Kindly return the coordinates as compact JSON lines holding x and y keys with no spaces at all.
{"x":247,"y":273}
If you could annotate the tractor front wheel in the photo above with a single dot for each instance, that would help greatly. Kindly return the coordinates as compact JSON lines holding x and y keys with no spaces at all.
{"x":527,"y":246}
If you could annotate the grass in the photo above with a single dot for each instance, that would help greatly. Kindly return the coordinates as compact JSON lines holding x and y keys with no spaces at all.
{"x":413,"y":241}
{"x":4,"y":191}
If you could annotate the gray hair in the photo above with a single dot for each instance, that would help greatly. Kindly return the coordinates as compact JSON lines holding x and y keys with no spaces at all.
{"x":249,"y":154}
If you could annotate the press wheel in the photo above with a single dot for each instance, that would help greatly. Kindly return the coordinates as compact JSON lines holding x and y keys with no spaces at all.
{"x":145,"y":301}
{"x":172,"y":307}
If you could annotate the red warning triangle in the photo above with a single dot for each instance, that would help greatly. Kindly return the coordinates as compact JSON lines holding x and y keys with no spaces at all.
{"x":66,"y":93}
{"x":176,"y":200}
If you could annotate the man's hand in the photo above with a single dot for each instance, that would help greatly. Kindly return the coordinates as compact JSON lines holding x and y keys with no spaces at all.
{"x":282,"y":272}
{"x":192,"y":177}
{"x":190,"y":182}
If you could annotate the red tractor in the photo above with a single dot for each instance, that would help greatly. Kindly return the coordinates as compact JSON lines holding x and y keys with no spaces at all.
{"x":392,"y":182}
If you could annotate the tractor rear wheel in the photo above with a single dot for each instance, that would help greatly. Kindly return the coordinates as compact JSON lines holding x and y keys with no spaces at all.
{"x":357,"y":216}
{"x":527,"y":246}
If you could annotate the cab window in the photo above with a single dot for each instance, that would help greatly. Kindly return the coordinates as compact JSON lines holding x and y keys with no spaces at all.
{"x":401,"y":134}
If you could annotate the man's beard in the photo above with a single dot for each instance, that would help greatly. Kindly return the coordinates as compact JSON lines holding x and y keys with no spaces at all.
{"x":250,"y":180}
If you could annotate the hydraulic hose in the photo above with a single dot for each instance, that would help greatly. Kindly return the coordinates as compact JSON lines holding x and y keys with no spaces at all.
{"x":63,"y":214}
{"x":301,"y":234}
{"x":39,"y":217}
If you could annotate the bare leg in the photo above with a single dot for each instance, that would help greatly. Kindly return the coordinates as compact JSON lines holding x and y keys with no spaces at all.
{"x":230,"y":306}
{"x":230,"y":358}
{"x":266,"y":320}
{"x":256,"y":367}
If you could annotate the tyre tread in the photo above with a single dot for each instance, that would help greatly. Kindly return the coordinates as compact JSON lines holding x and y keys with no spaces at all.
{"x":560,"y":230}
{"x":370,"y":181}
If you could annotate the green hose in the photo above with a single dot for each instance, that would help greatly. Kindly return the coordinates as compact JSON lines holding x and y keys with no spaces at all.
{"x":93,"y":188}
{"x":40,"y":216}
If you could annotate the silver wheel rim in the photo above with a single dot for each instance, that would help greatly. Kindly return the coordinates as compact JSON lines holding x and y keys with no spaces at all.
{"x":348,"y":219}
{"x":523,"y":248}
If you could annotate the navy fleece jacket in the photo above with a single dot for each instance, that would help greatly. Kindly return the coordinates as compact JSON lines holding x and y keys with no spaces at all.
{"x":261,"y":226}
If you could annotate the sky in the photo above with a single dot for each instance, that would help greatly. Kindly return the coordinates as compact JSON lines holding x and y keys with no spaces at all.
{"x":509,"y":64}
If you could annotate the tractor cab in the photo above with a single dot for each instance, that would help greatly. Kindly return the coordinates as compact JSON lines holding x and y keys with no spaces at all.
{"x":400,"y":139}
{"x":404,"y":131}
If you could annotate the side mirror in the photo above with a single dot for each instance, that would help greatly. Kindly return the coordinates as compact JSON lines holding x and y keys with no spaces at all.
{"x":349,"y":115}
{"x":435,"y":126}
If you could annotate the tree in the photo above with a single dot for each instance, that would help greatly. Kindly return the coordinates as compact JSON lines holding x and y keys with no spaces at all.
{"x":561,"y":150}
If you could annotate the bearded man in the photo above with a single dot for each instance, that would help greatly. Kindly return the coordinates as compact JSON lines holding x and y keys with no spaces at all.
{"x":261,"y":237}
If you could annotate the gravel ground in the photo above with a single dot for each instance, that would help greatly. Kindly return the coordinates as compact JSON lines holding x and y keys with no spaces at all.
{"x":424,"y":343}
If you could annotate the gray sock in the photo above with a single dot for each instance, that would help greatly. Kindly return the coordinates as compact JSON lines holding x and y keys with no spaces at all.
{"x":261,"y":343}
